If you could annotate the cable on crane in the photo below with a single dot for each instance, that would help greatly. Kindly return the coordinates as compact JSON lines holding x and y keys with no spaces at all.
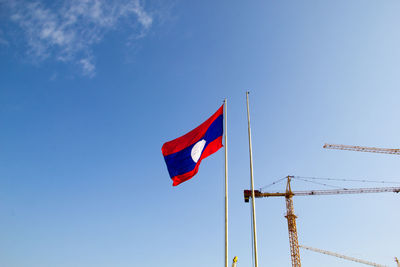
{"x":327,"y":185}
{"x":271,"y":184}
{"x":348,"y":180}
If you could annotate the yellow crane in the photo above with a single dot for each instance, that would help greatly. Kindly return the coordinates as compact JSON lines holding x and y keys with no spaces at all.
{"x":397,"y":261}
{"x":342,"y":256}
{"x":291,"y":217}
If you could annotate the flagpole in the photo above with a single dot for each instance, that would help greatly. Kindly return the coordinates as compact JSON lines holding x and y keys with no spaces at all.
{"x":226,"y":180}
{"x":252,"y":183}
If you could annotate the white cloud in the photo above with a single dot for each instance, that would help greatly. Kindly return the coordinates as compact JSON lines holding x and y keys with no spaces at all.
{"x":66,"y":30}
{"x":87,"y":66}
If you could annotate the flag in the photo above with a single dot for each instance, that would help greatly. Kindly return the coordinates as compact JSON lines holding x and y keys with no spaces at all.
{"x":183,"y":155}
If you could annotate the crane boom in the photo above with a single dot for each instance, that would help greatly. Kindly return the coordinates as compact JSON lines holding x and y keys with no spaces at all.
{"x":395,"y":151}
{"x":258,"y":193}
{"x":342,"y":256}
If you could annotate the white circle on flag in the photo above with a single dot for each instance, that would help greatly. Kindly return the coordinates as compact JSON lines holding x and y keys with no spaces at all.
{"x":197,"y":149}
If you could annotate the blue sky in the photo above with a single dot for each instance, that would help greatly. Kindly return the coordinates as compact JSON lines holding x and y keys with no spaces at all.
{"x":90,"y":90}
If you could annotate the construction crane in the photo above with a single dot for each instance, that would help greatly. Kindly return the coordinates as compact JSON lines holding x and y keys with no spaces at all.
{"x":397,"y":261}
{"x":342,"y":256}
{"x":291,"y":217}
{"x":395,"y":151}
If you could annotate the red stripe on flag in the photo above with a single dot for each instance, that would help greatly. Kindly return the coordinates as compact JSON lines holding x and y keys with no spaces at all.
{"x":191,"y":137}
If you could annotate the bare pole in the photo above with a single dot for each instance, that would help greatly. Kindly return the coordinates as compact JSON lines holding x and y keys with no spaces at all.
{"x":226,"y":180}
{"x":252,"y":184}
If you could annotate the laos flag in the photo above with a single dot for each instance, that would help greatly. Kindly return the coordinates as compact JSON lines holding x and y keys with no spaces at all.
{"x":183,"y":155}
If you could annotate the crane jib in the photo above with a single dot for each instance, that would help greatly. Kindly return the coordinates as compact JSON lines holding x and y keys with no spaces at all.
{"x":394,"y":151}
{"x":258,"y":193}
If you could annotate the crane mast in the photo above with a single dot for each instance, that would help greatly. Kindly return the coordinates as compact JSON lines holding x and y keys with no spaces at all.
{"x":342,"y":256}
{"x":292,"y":228}
{"x":395,"y":151}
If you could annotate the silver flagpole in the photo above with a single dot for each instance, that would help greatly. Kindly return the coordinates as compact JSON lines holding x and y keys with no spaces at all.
{"x":252,"y":184}
{"x":226,"y":180}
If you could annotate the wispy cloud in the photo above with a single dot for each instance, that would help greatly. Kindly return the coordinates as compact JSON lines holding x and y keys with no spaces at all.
{"x":87,"y":66}
{"x":66,"y":30}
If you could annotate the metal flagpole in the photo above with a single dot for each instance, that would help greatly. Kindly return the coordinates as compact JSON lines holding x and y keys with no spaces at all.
{"x":252,"y":184}
{"x":226,"y":180}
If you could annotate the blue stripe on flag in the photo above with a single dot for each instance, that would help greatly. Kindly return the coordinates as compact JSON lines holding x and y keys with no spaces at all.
{"x":181,"y":162}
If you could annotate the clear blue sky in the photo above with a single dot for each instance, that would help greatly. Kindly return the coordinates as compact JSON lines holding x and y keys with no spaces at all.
{"x":90,"y":90}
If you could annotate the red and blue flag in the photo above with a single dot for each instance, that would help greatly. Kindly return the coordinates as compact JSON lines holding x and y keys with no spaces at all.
{"x":183,"y":155}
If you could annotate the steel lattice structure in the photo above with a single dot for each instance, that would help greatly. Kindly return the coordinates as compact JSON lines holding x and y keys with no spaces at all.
{"x":395,"y":151}
{"x":291,"y":217}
